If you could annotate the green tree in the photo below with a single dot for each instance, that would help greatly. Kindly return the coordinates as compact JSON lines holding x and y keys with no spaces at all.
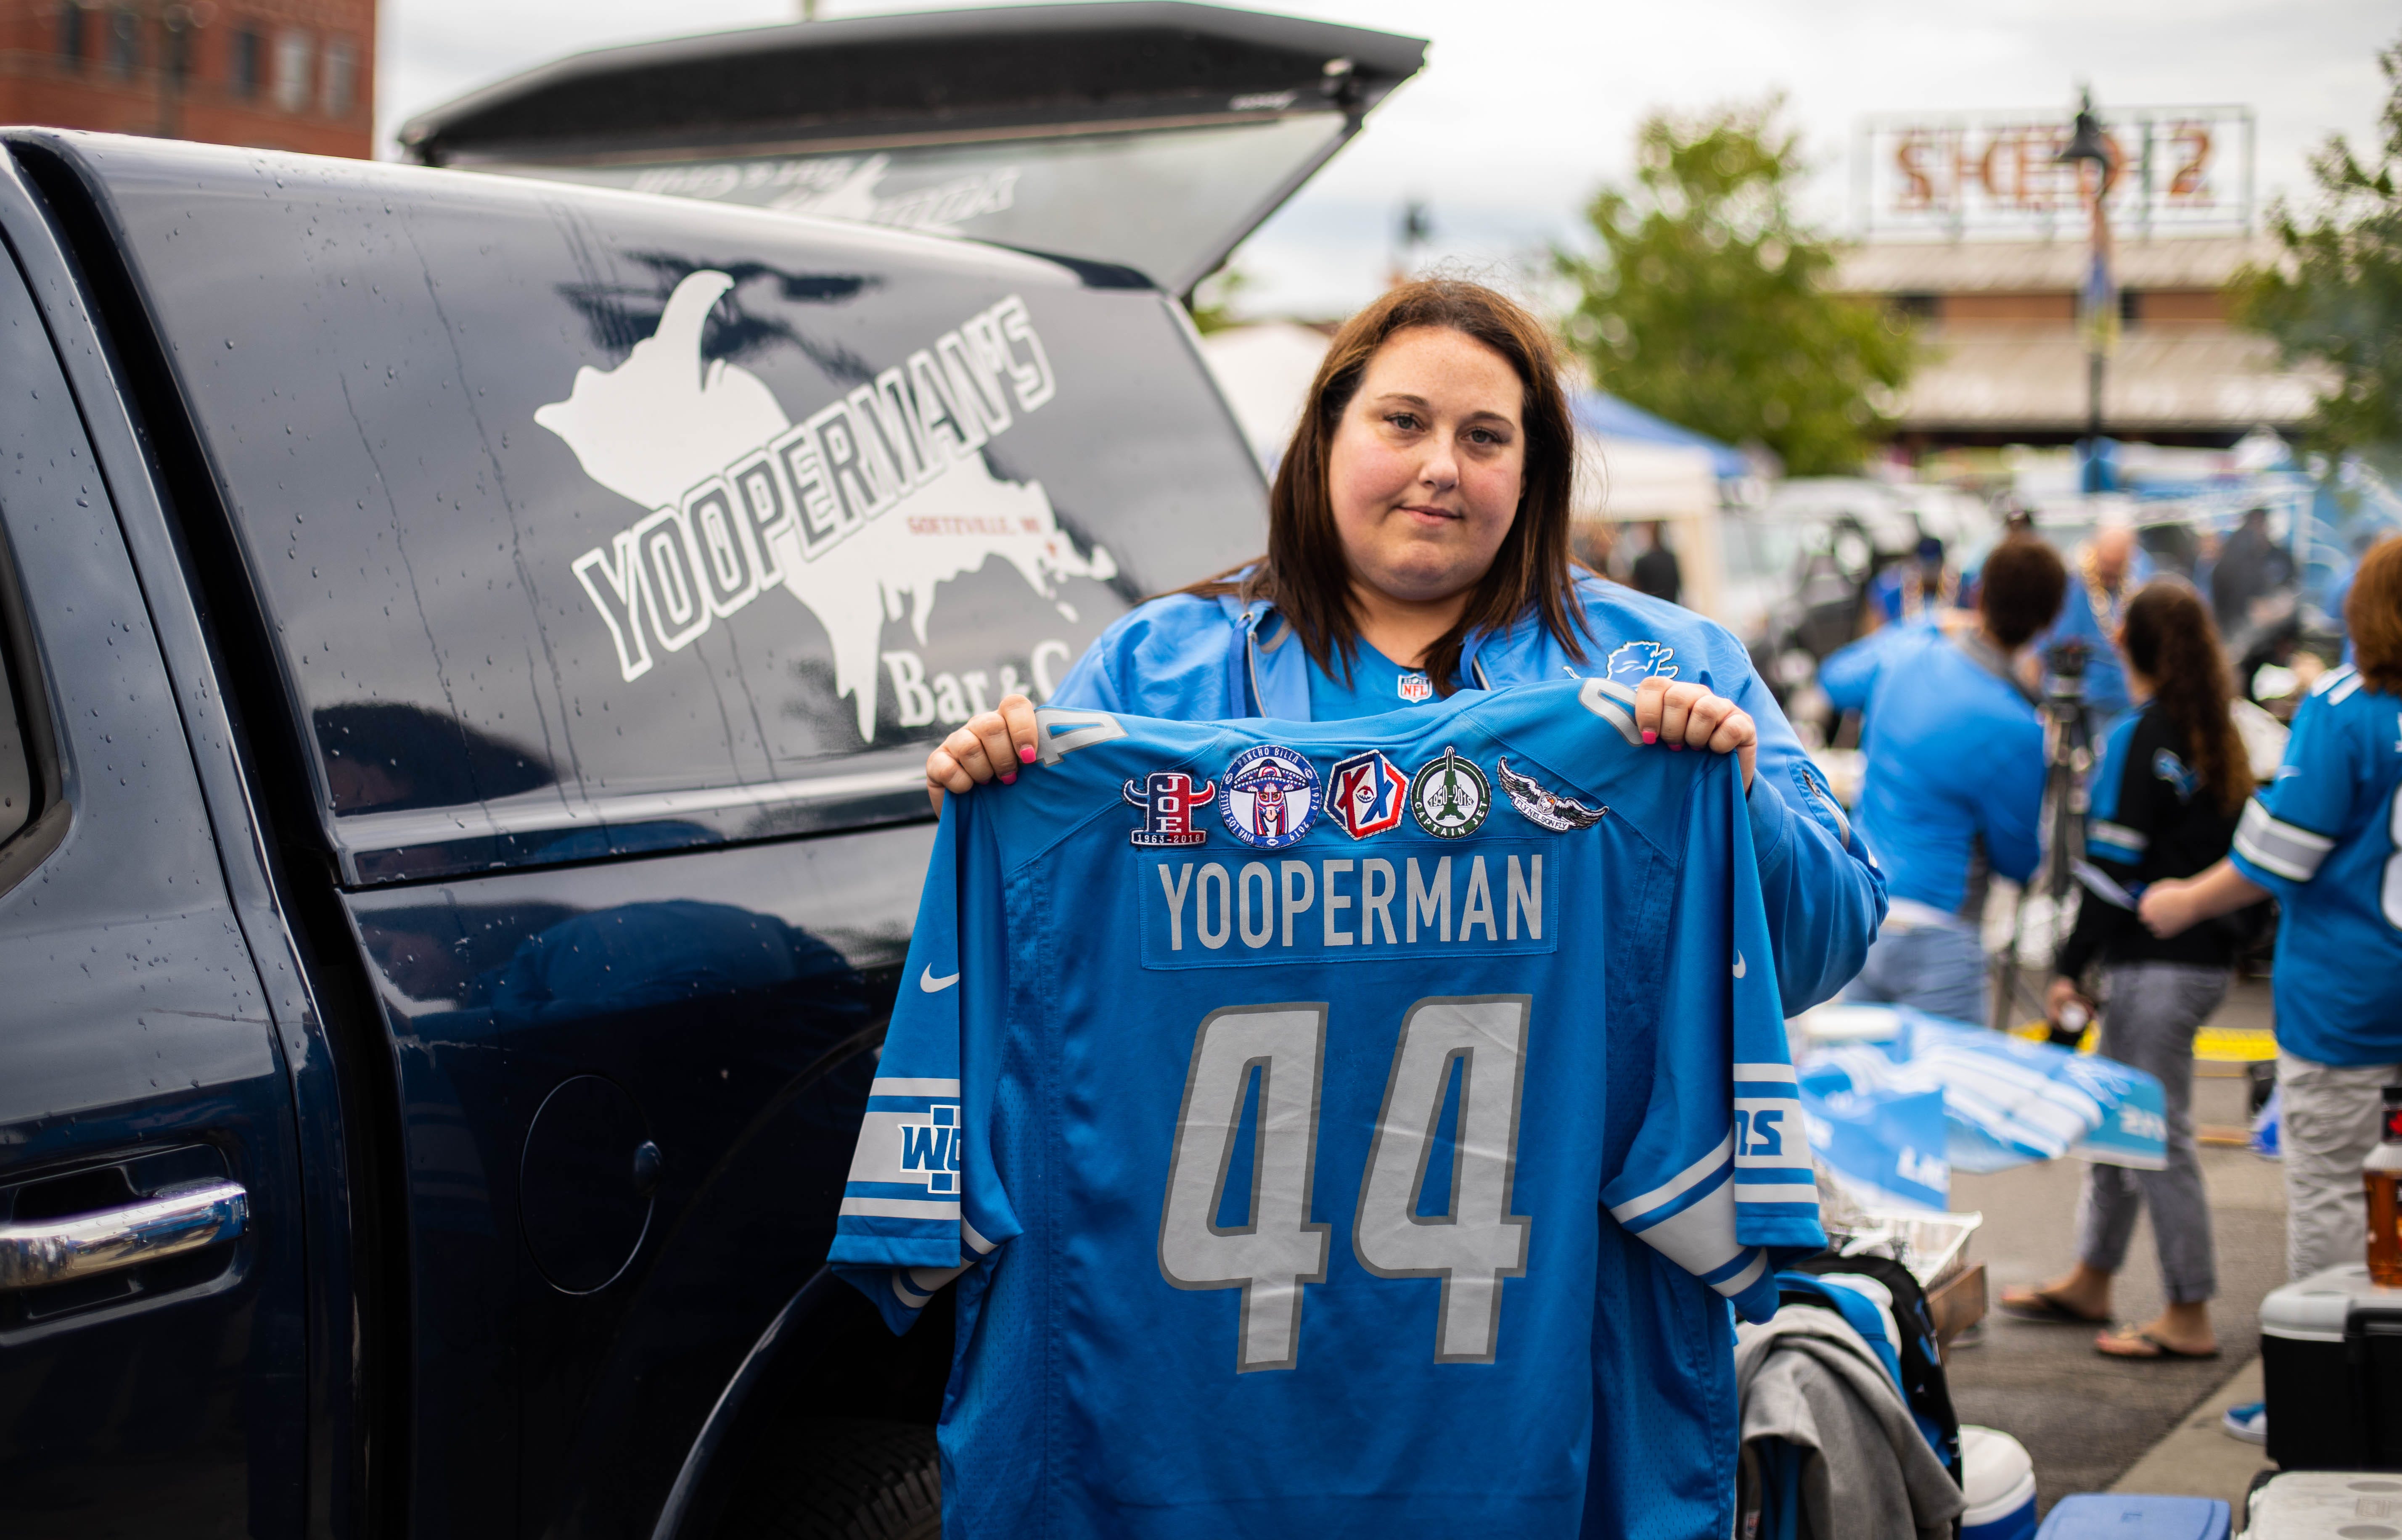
{"x":1705,"y":302}
{"x":2335,"y":299}
{"x":1214,"y":299}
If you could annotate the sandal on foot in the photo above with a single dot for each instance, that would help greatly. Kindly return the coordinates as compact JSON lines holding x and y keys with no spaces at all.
{"x":2159,"y":1349}
{"x":2041,"y":1307}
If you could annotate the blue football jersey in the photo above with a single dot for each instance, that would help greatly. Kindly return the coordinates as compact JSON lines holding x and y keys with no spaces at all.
{"x":2327,"y":838}
{"x":1339,"y":1129}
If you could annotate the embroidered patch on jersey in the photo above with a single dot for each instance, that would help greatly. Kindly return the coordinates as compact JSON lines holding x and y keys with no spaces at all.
{"x":1450,"y":796}
{"x":1640,"y":660}
{"x":1415,"y":686}
{"x":1366,"y":794}
{"x":930,"y":1151}
{"x":1548,"y":808}
{"x":2172,"y":770}
{"x":1271,"y":796}
{"x":1168,"y":799}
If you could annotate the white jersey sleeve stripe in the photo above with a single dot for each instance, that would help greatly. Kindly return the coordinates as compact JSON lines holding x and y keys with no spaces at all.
{"x":902,"y":1208}
{"x":904,"y":1086}
{"x":1733,"y":1287}
{"x":2279,"y":848}
{"x":1675,"y":1187}
{"x":1700,"y":1239}
{"x":1766,"y":1072}
{"x":977,"y":1243}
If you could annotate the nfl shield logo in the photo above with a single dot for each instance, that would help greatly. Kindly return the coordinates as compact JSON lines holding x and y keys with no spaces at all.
{"x":1168,"y":799}
{"x":1271,"y":796}
{"x":1367,"y":795}
{"x":1415,"y":686}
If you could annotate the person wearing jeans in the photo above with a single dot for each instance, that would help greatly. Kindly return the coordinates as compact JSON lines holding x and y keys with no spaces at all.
{"x":2326,"y":840}
{"x":2173,"y":778}
{"x":1954,"y":781}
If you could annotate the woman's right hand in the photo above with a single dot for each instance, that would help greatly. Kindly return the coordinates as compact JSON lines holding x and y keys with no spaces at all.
{"x":993,"y":742}
{"x":2063,"y":994}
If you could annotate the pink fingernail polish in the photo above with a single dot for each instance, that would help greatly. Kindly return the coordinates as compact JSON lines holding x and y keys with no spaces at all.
{"x":1650,"y":737}
{"x":1677,"y":747}
{"x":1025,"y":753}
{"x":1009,"y":779}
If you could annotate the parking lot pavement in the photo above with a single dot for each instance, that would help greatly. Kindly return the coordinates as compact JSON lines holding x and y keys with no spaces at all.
{"x":2086,"y":1419}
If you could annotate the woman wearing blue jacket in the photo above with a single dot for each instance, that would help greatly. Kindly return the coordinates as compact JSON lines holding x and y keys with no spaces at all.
{"x":1419,"y":546}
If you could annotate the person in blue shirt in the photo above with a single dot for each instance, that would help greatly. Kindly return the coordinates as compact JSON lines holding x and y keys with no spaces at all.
{"x":1915,"y":591}
{"x":2106,"y":570}
{"x":1419,"y":546}
{"x":2325,"y":841}
{"x":1954,"y":778}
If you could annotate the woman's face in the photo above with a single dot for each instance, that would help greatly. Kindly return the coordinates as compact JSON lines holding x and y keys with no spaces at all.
{"x":1427,"y":463}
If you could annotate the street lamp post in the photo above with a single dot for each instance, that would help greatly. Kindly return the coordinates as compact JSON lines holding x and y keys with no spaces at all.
{"x":2098,"y":302}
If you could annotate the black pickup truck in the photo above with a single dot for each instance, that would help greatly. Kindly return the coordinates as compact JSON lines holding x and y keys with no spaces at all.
{"x":471,"y":643}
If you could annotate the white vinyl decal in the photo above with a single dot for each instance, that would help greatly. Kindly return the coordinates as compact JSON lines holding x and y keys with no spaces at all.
{"x":861,"y":512}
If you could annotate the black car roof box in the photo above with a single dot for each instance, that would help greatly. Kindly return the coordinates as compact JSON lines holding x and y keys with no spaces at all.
{"x":947,"y":73}
{"x":1152,"y":136}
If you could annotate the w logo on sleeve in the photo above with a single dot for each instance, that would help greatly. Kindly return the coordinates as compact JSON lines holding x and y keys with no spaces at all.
{"x":930,"y":1151}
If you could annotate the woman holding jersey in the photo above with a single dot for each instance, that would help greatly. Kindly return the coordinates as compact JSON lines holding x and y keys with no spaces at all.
{"x":1419,"y":546}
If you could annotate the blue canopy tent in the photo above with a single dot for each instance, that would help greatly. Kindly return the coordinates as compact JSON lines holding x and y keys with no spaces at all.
{"x":1606,"y":416}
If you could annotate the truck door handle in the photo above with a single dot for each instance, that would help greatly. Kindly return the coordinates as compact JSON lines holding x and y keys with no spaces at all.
{"x":80,"y":1246}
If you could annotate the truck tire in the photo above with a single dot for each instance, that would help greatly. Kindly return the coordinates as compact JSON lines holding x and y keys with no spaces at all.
{"x":841,"y":1480}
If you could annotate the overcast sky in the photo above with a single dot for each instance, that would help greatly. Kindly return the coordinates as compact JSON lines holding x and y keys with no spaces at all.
{"x":1525,"y":105}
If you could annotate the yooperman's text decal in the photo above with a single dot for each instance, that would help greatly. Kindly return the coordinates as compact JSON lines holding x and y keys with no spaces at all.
{"x":860,"y":510}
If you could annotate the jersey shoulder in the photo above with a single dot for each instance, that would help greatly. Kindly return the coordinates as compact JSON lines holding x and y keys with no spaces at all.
{"x":1091,"y":764}
{"x":1569,"y":751}
{"x":1630,"y":635}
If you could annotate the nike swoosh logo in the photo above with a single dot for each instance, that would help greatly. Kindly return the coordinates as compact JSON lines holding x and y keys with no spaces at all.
{"x":934,"y":986}
{"x":1738,"y":965}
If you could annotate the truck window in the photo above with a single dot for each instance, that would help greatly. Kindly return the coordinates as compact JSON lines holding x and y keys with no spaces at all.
{"x":589,"y":525}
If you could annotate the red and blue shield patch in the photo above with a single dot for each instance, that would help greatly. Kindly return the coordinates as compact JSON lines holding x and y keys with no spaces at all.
{"x":1367,"y":795}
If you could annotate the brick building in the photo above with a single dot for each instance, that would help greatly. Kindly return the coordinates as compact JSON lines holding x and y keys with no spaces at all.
{"x":286,"y":75}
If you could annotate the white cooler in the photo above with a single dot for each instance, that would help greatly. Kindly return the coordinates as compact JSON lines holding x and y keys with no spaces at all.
{"x":1997,"y":1478}
{"x":2326,"y":1505}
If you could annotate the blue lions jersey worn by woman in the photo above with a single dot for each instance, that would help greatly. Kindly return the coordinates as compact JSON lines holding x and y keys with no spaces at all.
{"x":1344,"y":1129}
{"x":2326,"y":838}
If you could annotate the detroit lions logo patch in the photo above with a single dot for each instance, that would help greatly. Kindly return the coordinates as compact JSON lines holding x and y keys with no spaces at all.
{"x":1639,"y":660}
{"x":2172,"y":770}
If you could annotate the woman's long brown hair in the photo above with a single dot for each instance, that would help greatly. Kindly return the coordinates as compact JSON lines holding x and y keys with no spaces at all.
{"x":2170,"y":640}
{"x":1304,"y":573}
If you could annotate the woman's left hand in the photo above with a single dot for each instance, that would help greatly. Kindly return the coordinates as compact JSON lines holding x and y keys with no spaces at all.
{"x":1689,"y":716}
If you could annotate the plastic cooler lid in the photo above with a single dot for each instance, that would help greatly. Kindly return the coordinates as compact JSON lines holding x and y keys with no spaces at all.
{"x":2306,"y":1504}
{"x":2314,"y":1309}
{"x":2134,"y":1516}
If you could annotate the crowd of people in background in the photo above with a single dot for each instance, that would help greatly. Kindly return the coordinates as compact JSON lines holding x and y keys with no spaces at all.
{"x":2183,"y":845}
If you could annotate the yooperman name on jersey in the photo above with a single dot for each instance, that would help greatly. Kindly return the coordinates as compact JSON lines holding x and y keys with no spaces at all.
{"x":1501,"y":896}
